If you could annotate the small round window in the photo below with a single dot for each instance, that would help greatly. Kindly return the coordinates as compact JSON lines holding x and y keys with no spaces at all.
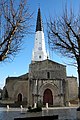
{"x":40,"y":56}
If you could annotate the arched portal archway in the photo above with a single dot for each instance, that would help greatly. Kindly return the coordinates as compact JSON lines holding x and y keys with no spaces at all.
{"x":48,"y":97}
{"x":19,"y":97}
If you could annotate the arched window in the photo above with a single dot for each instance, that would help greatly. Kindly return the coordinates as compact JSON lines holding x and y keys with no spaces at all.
{"x":48,"y":75}
{"x":19,"y":97}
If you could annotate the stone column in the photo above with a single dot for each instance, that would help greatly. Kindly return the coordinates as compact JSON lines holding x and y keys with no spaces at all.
{"x":67,"y":94}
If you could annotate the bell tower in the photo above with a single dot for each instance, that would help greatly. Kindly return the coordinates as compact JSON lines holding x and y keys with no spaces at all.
{"x":39,"y":52}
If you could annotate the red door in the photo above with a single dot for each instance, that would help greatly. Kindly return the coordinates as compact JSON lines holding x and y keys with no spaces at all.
{"x":48,"y":97}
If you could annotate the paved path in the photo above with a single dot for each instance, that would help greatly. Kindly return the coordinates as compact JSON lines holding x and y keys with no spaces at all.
{"x":65,"y":113}
{"x":68,"y":113}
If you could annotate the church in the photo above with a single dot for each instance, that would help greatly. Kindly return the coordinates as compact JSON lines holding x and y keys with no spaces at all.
{"x":46,"y":82}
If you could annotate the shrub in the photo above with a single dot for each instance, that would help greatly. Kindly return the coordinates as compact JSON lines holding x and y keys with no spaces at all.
{"x":78,"y":109}
{"x":38,"y":109}
{"x":29,"y":108}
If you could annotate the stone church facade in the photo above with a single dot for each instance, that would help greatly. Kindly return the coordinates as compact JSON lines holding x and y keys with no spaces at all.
{"x":46,"y":81}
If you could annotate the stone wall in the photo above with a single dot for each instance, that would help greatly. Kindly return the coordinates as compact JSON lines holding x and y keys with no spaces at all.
{"x":72,"y":88}
{"x":48,"y":75}
{"x":15,"y":86}
{"x":47,"y":70}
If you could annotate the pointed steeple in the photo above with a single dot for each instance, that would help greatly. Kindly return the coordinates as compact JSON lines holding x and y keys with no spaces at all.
{"x":39,"y":26}
{"x":39,"y":52}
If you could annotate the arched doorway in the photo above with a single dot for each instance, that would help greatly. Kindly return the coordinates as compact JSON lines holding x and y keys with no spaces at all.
{"x":48,"y":97}
{"x":19,"y":97}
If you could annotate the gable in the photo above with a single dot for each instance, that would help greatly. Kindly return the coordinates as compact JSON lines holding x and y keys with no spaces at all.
{"x":47,"y":69}
{"x":46,"y":65}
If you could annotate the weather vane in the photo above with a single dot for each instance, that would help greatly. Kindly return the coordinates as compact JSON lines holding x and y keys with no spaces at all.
{"x":39,"y":5}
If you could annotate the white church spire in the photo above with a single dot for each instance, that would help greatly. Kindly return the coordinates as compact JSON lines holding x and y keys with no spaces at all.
{"x":39,"y":51}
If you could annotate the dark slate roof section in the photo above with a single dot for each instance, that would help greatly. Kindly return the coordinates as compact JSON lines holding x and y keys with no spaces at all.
{"x":39,"y":26}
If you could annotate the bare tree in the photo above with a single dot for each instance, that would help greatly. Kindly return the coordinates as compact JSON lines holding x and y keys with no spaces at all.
{"x":64,"y":37}
{"x":14,"y":25}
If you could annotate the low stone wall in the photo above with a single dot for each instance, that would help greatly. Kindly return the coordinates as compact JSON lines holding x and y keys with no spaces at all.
{"x":54,"y":117}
